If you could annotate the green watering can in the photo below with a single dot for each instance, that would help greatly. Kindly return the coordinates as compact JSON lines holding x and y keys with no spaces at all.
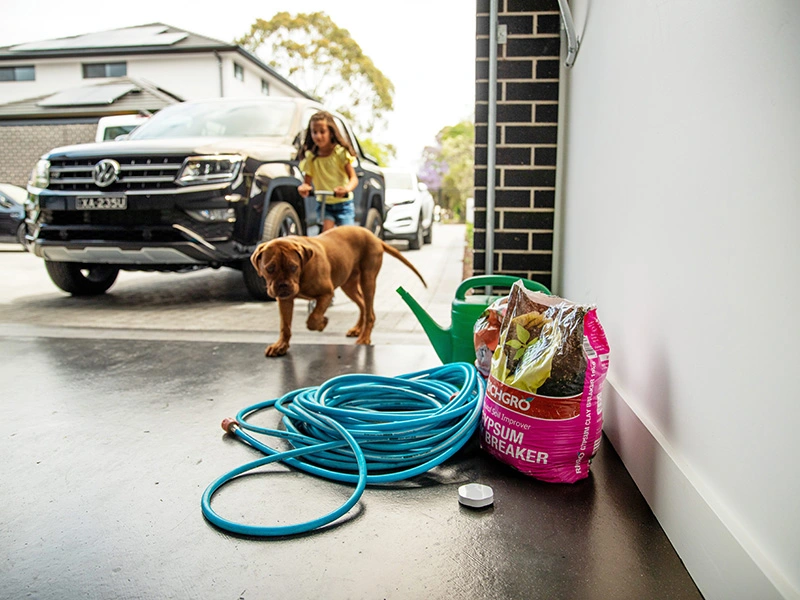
{"x":456,"y":344}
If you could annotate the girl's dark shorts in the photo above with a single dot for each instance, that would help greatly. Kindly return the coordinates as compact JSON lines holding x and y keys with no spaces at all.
{"x":341,"y":213}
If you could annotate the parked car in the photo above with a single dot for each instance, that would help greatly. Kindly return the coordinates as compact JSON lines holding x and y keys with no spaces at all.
{"x":409,"y":206}
{"x":199,"y":184}
{"x":12,"y":213}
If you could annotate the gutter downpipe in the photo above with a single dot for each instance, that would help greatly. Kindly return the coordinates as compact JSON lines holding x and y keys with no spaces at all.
{"x":569,"y":51}
{"x":558,"y":206}
{"x":491,"y":140}
{"x":219,"y":65}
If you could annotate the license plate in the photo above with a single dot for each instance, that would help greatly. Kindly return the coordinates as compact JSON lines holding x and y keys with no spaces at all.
{"x":102,"y":203}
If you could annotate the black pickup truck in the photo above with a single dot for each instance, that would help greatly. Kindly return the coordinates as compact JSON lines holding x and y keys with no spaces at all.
{"x":200,"y":184}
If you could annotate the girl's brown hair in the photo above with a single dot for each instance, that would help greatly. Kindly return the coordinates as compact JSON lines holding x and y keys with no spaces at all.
{"x":336,"y":136}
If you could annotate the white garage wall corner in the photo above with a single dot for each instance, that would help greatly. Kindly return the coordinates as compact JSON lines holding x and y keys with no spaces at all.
{"x":681,"y":209}
{"x":686,"y":512}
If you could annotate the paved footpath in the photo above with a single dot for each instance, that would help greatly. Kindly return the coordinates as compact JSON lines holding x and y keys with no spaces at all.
{"x":211,"y":304}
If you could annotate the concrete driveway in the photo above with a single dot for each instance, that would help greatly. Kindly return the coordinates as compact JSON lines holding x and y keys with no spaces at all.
{"x":214,"y":304}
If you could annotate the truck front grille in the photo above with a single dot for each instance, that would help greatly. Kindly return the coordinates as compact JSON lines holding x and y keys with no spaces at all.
{"x":136,"y":174}
{"x":139,"y":225}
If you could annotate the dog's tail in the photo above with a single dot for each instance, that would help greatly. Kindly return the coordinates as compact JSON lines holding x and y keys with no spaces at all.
{"x":396,"y":253}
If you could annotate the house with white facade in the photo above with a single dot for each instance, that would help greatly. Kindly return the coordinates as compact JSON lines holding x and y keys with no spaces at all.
{"x":53,"y":92}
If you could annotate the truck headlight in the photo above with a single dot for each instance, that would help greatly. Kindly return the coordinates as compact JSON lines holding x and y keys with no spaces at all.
{"x":209,"y":169}
{"x":40,"y":176}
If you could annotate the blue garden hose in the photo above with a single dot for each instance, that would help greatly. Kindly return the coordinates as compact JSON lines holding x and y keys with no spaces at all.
{"x":361,"y":429}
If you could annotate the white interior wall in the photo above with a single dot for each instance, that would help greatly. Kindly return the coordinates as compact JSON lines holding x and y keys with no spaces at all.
{"x":681,"y":191}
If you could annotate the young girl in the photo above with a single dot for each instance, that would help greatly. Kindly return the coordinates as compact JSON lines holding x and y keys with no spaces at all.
{"x":327,"y":162}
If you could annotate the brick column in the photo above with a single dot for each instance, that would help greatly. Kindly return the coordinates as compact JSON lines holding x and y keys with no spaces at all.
{"x":527,"y":124}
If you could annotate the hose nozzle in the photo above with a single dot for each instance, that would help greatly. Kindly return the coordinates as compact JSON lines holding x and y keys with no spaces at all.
{"x":228,"y":424}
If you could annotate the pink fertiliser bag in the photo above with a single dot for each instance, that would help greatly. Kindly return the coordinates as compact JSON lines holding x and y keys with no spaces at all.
{"x":543,"y":411}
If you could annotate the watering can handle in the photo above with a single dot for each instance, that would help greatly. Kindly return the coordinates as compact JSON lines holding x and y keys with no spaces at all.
{"x":497,"y":280}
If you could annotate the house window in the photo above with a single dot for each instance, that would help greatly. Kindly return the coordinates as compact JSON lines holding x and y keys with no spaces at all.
{"x":26,"y":73}
{"x":94,"y":70}
{"x":238,"y":71}
{"x":265,"y":87}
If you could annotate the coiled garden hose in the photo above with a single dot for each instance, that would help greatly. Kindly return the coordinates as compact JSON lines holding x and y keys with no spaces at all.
{"x":361,"y":429}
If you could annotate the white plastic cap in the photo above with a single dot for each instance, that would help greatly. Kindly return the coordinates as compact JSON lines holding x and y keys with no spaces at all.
{"x":475,"y":495}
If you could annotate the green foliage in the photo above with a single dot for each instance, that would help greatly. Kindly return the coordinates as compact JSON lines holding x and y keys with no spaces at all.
{"x":312,"y":52}
{"x":450,"y":166}
{"x":384,"y":153}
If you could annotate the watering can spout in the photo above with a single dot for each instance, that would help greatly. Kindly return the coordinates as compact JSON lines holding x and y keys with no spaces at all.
{"x":440,"y":338}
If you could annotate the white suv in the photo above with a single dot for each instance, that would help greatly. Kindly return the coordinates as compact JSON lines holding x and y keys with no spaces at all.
{"x":409,"y":207}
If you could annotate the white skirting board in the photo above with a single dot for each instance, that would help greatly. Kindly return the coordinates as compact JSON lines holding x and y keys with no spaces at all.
{"x":725,"y":564}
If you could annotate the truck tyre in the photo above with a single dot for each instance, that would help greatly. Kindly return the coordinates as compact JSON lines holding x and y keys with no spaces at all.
{"x":81,"y":280}
{"x":282,"y":220}
{"x":255,"y":284}
{"x":373,"y":222}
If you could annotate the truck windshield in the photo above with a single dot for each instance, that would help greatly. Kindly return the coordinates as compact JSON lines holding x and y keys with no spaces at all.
{"x":219,"y":119}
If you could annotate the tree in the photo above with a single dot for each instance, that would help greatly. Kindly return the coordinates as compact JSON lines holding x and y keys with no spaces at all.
{"x":450,"y":166}
{"x":383,"y":153}
{"x":322,"y":59}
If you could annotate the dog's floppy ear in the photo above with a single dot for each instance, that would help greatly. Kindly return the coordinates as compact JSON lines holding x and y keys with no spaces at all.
{"x":306,"y":252}
{"x":256,"y":255}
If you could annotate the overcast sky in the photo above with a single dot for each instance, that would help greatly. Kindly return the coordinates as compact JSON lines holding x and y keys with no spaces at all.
{"x":426,"y":48}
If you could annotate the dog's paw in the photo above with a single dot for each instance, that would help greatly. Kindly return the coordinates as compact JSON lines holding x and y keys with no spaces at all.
{"x":354,"y":332}
{"x":317,"y":324}
{"x":364,"y":340}
{"x":276,"y":349}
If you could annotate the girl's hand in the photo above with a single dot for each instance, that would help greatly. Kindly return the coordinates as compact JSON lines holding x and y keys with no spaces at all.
{"x":304,"y":190}
{"x":340,"y":191}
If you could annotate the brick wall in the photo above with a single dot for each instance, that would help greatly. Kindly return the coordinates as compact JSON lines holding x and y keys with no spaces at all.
{"x":22,"y":145}
{"x":527,"y":116}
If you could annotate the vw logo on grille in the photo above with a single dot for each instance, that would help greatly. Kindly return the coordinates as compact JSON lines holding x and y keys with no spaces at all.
{"x":105,"y":172}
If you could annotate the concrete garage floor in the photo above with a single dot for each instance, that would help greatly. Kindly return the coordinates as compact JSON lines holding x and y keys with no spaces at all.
{"x":108,"y":444}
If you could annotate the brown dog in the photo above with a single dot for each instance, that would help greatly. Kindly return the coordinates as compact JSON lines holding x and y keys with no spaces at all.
{"x":312,"y":267}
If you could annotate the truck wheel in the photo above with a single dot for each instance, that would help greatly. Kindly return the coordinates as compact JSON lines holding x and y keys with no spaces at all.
{"x":282,"y":220}
{"x":373,"y":222}
{"x":255,"y":284}
{"x":415,"y":243}
{"x":81,"y":280}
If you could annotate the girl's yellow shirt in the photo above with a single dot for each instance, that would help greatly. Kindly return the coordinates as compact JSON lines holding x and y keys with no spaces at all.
{"x":327,"y":172}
